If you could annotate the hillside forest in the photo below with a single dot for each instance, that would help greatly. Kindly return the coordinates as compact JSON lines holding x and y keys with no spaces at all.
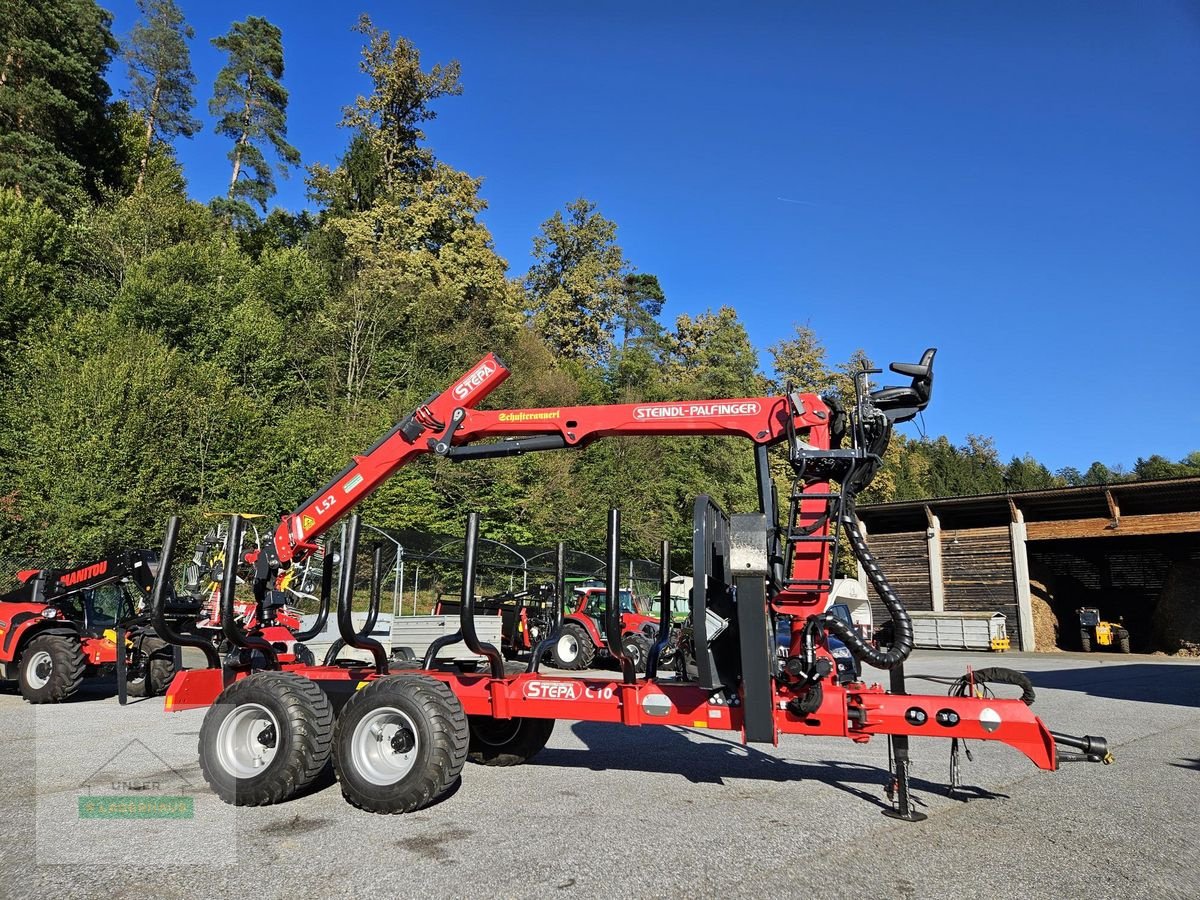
{"x":163,"y":355}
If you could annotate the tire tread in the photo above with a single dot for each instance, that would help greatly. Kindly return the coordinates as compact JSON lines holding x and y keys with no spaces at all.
{"x":66,"y":651}
{"x":310,"y":722}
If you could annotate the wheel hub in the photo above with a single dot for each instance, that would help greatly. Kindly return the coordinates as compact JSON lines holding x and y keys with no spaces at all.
{"x":384,"y":746}
{"x":403,"y":741}
{"x":39,"y":669}
{"x":567,"y":648}
{"x":247,"y":741}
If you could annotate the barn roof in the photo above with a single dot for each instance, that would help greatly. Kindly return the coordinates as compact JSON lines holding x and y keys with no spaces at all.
{"x":1133,"y":498}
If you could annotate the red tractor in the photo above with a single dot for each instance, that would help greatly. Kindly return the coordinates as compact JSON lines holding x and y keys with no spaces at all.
{"x":399,"y":733}
{"x":524,"y":621}
{"x":582,"y":639}
{"x":61,"y":626}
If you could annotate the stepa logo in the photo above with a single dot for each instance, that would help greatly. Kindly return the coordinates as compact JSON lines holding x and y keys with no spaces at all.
{"x":471,"y":383}
{"x":136,"y":783}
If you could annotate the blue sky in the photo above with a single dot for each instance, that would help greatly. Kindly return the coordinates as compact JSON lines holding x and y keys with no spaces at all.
{"x":1016,"y":183}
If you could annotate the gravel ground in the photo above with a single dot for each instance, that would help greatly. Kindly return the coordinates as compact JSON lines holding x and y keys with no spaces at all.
{"x":646,"y":812}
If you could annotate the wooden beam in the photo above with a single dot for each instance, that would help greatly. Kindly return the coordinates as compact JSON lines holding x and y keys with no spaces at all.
{"x":1013,"y":512}
{"x":1017,"y":536}
{"x":1113,"y":509}
{"x":933,"y":549}
{"x":1159,"y":523}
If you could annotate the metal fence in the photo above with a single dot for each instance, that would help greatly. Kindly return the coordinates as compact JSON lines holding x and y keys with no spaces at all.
{"x":420,"y":568}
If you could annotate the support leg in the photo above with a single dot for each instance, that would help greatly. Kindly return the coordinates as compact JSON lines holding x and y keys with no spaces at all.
{"x":898,"y":788}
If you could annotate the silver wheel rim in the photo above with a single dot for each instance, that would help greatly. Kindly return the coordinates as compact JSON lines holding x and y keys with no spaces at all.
{"x":374,"y":757}
{"x":567,"y":648}
{"x":240,"y":750}
{"x":39,"y":668}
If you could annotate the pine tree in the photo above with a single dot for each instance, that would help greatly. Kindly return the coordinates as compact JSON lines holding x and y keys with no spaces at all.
{"x":56,"y":136}
{"x":160,"y":75}
{"x":251,"y":106}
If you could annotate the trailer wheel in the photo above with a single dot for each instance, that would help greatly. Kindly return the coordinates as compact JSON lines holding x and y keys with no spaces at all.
{"x":637,"y":648}
{"x":267,"y":737}
{"x":506,"y":742}
{"x":158,"y":671}
{"x":400,"y":744}
{"x":1085,"y":640}
{"x":574,"y":648}
{"x":51,"y":668}
{"x":1123,"y":640}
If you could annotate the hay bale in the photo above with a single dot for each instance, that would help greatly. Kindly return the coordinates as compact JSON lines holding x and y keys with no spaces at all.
{"x":1176,"y":620}
{"x":1045,"y":622}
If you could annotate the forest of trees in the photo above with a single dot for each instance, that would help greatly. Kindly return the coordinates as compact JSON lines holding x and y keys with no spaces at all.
{"x":160,"y":355}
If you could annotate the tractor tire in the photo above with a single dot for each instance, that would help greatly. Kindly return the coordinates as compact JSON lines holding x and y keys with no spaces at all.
{"x":637,"y":648}
{"x":304,"y":656}
{"x":267,"y":737}
{"x":400,"y":744}
{"x":1123,"y":640}
{"x":506,"y":742}
{"x":160,"y":670}
{"x":1085,"y":640}
{"x":574,"y":649}
{"x":51,"y":668}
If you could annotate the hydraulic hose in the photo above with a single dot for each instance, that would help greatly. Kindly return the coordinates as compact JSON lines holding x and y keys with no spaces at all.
{"x":902,"y":643}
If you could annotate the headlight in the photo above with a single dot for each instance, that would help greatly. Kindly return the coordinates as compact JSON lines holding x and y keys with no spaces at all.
{"x":50,"y":613}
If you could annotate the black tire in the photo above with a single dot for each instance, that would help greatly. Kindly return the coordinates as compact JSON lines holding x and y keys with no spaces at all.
{"x":304,"y":656}
{"x":51,"y":668}
{"x":1085,"y":640}
{"x":506,"y":742}
{"x":574,"y":649}
{"x":637,"y":648}
{"x":158,"y":672}
{"x":400,"y":744}
{"x":268,"y":736}
{"x":1123,"y":640}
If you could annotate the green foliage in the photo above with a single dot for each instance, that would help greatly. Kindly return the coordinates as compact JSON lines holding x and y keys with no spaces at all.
{"x":57,"y":141}
{"x":160,"y":75}
{"x":251,"y":109}
{"x":154,"y":359}
{"x":37,"y":256}
{"x":104,"y":428}
{"x":577,"y":284}
{"x":184,"y":292}
{"x":389,"y":118}
{"x":801,"y":362}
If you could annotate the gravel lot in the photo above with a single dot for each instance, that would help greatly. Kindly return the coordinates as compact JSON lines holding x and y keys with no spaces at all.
{"x":612,"y":811}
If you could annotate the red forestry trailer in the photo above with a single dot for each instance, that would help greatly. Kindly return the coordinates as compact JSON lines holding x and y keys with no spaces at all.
{"x":399,"y":733}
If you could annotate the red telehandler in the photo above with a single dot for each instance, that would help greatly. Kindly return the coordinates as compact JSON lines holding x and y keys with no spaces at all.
{"x":61,"y":625}
{"x":399,"y":734}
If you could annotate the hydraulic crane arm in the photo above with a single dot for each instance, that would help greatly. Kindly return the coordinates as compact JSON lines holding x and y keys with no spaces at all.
{"x":448,"y":424}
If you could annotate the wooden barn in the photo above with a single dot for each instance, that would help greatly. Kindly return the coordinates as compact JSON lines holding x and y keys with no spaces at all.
{"x":1116,"y":547}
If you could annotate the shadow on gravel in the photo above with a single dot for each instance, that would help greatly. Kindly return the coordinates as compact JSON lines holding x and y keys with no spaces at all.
{"x":1175,"y":685}
{"x":669,"y":751}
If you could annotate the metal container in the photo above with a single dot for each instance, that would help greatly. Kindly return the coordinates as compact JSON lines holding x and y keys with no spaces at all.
{"x":958,"y":630}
